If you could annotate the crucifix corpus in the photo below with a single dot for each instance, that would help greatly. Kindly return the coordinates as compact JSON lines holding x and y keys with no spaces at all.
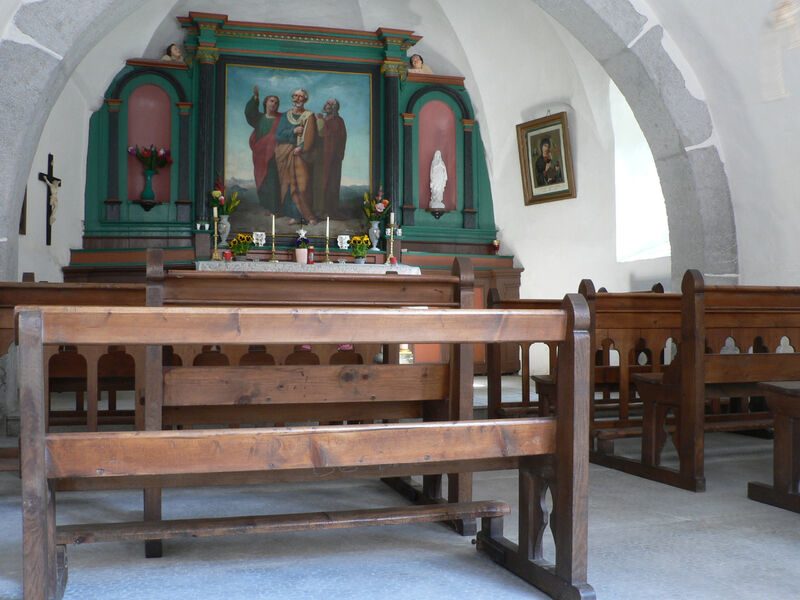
{"x":52,"y":183}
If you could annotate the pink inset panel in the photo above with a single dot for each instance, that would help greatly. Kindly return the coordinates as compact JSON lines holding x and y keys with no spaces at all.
{"x":149,"y":122}
{"x":437,"y":131}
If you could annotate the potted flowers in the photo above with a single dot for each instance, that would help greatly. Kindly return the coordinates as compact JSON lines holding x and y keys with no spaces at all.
{"x":301,"y":247}
{"x":375,"y":209}
{"x":240,"y":245}
{"x":152,"y":160}
{"x":359,"y":244}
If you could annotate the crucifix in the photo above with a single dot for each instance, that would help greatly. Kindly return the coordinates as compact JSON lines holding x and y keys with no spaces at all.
{"x":52,"y":183}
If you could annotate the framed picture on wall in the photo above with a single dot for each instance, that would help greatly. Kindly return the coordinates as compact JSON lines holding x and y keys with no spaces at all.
{"x":281,"y":163}
{"x":545,"y":159}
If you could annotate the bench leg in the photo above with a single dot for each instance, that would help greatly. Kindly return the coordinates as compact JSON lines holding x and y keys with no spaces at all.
{"x":526,"y":560}
{"x":785,"y":489}
{"x":152,"y":512}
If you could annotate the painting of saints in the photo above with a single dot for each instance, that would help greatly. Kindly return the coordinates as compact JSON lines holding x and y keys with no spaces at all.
{"x":287,"y":161}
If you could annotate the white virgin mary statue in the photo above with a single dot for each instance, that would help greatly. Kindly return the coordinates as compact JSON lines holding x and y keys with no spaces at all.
{"x":438,"y":181}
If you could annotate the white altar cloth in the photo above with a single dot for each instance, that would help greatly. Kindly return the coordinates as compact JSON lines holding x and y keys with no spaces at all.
{"x":293,"y":267}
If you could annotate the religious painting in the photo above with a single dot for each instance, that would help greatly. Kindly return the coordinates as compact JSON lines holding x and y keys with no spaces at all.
{"x":298,"y":142}
{"x":545,"y":159}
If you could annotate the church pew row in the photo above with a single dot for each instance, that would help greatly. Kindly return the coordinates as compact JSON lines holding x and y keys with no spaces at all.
{"x":331,"y":403}
{"x":75,"y":371}
{"x":731,"y":339}
{"x":91,"y":370}
{"x":615,"y":326}
{"x":550,"y":452}
{"x":724,"y":373}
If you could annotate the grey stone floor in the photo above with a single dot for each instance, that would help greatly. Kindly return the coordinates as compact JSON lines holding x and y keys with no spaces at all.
{"x":647,"y":541}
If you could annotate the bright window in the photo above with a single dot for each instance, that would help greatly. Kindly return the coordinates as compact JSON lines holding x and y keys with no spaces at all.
{"x":642,"y":230}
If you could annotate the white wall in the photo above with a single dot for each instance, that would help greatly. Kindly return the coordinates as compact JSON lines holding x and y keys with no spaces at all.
{"x":760,"y":139}
{"x":558,"y":243}
{"x":66,"y":137}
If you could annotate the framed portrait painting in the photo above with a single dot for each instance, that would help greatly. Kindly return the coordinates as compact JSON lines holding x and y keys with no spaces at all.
{"x":545,"y":159}
{"x":283,"y":162}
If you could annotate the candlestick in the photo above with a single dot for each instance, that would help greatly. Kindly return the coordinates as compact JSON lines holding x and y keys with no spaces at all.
{"x":273,"y":258}
{"x":216,"y":255}
{"x":327,"y":227}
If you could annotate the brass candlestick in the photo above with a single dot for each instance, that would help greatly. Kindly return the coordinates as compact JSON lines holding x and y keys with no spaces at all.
{"x":390,"y":232}
{"x":327,"y":249}
{"x":273,"y":258}
{"x":216,"y":255}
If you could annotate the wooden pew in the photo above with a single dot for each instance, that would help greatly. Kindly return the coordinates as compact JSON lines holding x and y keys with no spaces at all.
{"x":549,"y":452}
{"x":87,"y":379}
{"x":496,"y":407}
{"x":784,"y":403}
{"x":263,"y":289}
{"x":207,"y":288}
{"x":706,"y":372}
{"x":619,"y":322}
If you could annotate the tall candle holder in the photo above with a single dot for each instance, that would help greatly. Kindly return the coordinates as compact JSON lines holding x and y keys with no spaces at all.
{"x":216,"y":255}
{"x":273,"y":258}
{"x":391,"y":231}
{"x":327,"y":249}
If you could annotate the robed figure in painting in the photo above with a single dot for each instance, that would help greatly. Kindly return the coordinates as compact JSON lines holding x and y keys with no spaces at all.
{"x":297,"y":137}
{"x":333,"y":135}
{"x":263,"y":144}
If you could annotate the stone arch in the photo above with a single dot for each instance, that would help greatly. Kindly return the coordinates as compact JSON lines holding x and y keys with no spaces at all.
{"x":699,"y":210}
{"x":702,"y":229}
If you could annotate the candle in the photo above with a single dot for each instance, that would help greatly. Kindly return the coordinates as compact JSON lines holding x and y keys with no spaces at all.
{"x":327,"y":227}
{"x":273,"y":225}
{"x":391,"y":218}
{"x":215,"y":212}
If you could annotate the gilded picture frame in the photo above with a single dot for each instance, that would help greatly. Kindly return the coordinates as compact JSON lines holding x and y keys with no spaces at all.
{"x":545,"y":159}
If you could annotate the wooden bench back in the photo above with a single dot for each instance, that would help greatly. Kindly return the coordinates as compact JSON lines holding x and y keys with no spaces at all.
{"x":13,"y":294}
{"x":737,"y":330}
{"x":239,"y":289}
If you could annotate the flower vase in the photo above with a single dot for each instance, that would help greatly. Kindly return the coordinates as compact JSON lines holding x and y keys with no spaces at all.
{"x":301,"y":255}
{"x":224,"y":230}
{"x":148,"y":197}
{"x":360,"y":260}
{"x":374,"y":234}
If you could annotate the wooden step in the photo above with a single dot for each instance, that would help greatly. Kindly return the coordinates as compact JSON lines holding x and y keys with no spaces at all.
{"x":191,"y":528}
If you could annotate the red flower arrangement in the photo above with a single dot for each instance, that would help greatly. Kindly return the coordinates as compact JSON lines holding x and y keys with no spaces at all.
{"x":152,"y":158}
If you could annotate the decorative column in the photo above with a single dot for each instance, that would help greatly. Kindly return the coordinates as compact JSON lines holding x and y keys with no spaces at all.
{"x":408,"y":169}
{"x":112,"y":202}
{"x":470,"y":214}
{"x":206,"y":55}
{"x":396,"y":42}
{"x":183,"y":205}
{"x":391,"y":144}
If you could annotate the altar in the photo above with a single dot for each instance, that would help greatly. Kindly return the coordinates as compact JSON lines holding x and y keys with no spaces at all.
{"x":294,"y":267}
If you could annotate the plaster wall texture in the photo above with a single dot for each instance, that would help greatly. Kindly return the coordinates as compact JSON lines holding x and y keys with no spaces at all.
{"x":66,"y":136}
{"x":759,"y":139}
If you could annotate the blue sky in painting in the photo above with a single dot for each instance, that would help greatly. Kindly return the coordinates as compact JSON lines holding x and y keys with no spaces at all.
{"x":351,"y":89}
